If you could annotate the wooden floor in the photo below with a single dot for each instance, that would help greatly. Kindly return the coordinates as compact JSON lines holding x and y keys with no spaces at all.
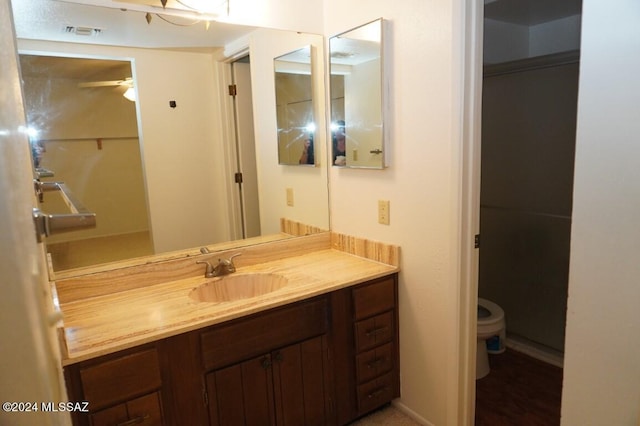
{"x":519,"y":391}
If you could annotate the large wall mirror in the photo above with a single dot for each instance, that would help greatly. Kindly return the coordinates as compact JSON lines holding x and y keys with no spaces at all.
{"x":357,"y":97}
{"x":160,"y":171}
{"x":294,"y":107}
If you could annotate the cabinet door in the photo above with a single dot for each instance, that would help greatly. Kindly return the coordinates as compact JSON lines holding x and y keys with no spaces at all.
{"x":242,"y":394}
{"x":301,"y":393}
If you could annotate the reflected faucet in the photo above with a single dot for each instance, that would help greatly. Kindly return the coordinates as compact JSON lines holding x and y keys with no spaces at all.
{"x":224,"y":267}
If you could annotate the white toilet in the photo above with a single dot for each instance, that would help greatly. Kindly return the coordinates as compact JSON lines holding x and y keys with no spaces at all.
{"x":491,"y":335}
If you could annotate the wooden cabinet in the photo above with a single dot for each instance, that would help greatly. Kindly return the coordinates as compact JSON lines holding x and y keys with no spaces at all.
{"x":376,"y":346}
{"x":121,"y":390}
{"x":322,"y":361}
{"x":366,"y":358}
{"x":277,"y":372}
{"x":283,"y":387}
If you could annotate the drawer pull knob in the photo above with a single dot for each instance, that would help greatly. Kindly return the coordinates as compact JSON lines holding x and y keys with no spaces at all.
{"x":376,"y":393}
{"x":266,"y":363}
{"x":135,"y":421}
{"x":376,"y":362}
{"x":376,"y":331}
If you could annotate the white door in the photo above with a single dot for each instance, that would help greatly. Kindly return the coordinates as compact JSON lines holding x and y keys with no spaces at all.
{"x":30,"y":371}
{"x":246,"y":149}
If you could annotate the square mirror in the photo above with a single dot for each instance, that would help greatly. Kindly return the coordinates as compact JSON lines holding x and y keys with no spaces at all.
{"x":357,"y":97}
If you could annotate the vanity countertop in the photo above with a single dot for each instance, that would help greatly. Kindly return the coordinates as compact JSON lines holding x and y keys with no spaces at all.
{"x":108,"y":323}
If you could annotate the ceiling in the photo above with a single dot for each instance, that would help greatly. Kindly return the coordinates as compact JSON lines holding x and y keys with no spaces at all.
{"x":531,"y":12}
{"x":106,"y":22}
{"x":60,"y":21}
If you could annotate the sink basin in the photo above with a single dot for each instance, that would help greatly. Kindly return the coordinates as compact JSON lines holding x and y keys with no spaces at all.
{"x":237,"y":287}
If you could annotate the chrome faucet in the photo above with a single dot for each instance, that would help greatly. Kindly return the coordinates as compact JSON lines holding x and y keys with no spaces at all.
{"x":224,"y":267}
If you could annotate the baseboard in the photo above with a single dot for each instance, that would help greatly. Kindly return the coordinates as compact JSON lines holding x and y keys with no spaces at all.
{"x":409,"y":412}
{"x":534,"y":350}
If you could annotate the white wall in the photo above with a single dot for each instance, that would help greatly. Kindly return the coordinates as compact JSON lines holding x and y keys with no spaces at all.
{"x":292,"y":15}
{"x":183,"y":185}
{"x":310,"y":192}
{"x":422,"y":184}
{"x":602,"y":358}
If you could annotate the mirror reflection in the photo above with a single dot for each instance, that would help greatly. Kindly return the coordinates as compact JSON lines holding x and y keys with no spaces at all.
{"x":182,"y":129}
{"x":294,"y":108}
{"x":92,"y":145}
{"x":357,"y":97}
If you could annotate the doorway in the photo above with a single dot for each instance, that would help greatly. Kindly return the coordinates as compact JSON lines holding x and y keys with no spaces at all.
{"x":528,"y":146}
{"x":529,"y":107}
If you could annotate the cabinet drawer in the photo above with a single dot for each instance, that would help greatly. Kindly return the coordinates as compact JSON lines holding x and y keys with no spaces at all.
{"x":375,"y":393}
{"x":121,"y":378}
{"x":145,"y":410}
{"x":374,"y":298}
{"x":374,"y":363}
{"x":374,"y":331}
{"x":246,"y":338}
{"x":140,"y":411}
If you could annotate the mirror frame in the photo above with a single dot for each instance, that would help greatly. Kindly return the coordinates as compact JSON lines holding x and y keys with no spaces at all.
{"x":337,"y":63}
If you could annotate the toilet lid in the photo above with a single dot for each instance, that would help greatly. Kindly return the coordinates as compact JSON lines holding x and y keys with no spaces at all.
{"x":489,"y":312}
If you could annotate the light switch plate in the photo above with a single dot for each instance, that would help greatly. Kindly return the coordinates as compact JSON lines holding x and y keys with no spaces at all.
{"x":290,"y":197}
{"x":383,"y":212}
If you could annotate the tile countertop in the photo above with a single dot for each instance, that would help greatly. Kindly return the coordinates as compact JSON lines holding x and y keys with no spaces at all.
{"x":108,"y":323}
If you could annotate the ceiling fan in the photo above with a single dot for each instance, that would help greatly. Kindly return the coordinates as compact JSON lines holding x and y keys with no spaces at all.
{"x":130,"y":93}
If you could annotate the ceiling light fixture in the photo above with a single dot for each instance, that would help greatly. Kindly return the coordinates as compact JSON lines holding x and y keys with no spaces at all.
{"x":193,"y":11}
{"x":203,"y":10}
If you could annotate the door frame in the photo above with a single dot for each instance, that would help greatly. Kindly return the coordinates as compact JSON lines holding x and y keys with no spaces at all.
{"x":246,"y":148}
{"x":224,"y":66}
{"x":470,"y":144}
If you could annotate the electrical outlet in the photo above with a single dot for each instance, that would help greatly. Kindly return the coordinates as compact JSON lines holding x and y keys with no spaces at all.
{"x":383,"y":212}
{"x":290,"y":197}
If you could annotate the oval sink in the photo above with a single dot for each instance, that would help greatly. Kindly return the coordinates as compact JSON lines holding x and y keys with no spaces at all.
{"x":237,"y":287}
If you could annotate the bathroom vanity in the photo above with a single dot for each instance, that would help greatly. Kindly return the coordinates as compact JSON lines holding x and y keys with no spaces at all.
{"x":322,"y":350}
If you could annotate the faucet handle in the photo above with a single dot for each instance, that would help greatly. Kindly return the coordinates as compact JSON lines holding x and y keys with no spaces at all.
{"x":230,"y":265}
{"x":209,"y":271}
